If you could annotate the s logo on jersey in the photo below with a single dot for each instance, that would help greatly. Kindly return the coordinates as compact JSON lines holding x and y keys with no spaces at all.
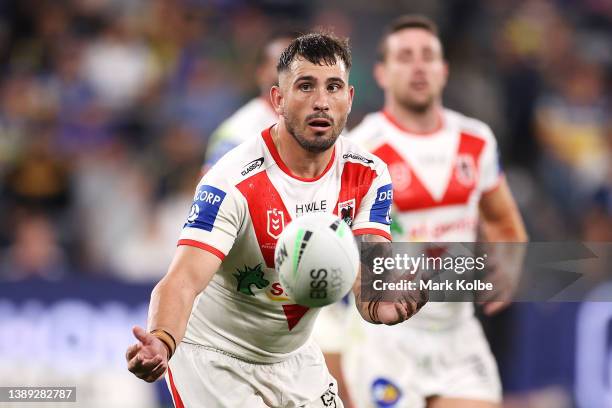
{"x":276,"y":293}
{"x":276,"y":222}
{"x":385,"y":394}
{"x":205,"y":207}
{"x":381,"y":210}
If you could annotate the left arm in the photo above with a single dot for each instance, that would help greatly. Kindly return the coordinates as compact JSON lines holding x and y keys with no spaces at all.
{"x":502,"y":222}
{"x":377,"y":311}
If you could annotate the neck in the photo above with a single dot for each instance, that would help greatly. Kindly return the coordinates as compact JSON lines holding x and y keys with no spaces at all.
{"x":427,"y":121}
{"x":300,"y":162}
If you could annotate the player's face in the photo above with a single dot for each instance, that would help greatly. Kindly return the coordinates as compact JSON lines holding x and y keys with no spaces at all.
{"x":414,"y":72}
{"x":315,"y":101}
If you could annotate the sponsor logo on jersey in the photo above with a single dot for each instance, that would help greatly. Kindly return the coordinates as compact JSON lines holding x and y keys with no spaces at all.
{"x":249,"y":167}
{"x":248,"y":277}
{"x":465,"y":169}
{"x":193,"y":213}
{"x":385,"y":393}
{"x":381,"y":209}
{"x":276,"y":293}
{"x":358,"y":157}
{"x":346,"y":211}
{"x":276,"y":222}
{"x":330,"y":397}
{"x":205,"y":207}
{"x":315,"y":206}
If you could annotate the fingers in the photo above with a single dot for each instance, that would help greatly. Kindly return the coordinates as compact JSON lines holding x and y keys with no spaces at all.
{"x":144,"y":368}
{"x":402,"y":312}
{"x":142,"y":335}
{"x":132,"y":351}
{"x":157,"y":372}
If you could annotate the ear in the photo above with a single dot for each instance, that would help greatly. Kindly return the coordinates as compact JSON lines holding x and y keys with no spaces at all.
{"x":380,"y":75}
{"x":276,"y":98}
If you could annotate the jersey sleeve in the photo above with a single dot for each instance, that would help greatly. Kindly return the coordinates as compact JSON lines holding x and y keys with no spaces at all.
{"x":215,"y":217}
{"x":490,"y":165}
{"x":374,"y":213}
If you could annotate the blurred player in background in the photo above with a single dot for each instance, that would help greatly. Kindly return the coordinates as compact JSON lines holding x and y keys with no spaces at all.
{"x":446,"y":179}
{"x":241,"y":342}
{"x":257,"y":114}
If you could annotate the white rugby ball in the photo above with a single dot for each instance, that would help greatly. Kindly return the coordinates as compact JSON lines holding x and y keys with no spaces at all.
{"x":316,"y":258}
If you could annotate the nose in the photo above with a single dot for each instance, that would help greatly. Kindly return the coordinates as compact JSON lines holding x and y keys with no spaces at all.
{"x":321,"y":101}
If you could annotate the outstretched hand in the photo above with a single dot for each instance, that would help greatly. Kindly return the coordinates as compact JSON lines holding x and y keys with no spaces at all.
{"x":147,"y":359}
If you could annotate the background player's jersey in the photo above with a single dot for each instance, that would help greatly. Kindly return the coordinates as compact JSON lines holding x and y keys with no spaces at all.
{"x":240,"y":208}
{"x":438,"y":180}
{"x":244,"y":124}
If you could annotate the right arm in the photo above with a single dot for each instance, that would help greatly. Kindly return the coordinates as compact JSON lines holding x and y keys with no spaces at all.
{"x":173,"y":297}
{"x":206,"y":238}
{"x":170,"y":307}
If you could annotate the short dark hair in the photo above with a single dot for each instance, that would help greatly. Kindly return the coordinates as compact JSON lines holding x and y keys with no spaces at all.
{"x":401,"y":23}
{"x":319,"y":48}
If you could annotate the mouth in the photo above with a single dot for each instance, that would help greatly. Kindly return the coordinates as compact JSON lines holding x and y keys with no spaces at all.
{"x":320,"y":124}
{"x":419,"y":85}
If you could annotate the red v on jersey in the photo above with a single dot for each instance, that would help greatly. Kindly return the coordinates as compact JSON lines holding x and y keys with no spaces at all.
{"x":409,"y":193}
{"x":269,"y":217}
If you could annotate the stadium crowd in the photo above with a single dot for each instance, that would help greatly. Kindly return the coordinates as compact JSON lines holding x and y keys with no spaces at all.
{"x":106,"y":107}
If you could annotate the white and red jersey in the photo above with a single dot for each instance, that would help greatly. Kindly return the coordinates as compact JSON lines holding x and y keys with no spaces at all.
{"x":438,"y":180}
{"x":240,"y":208}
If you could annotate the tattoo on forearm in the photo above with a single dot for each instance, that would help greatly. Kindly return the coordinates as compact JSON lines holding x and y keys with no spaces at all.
{"x":373,"y":249}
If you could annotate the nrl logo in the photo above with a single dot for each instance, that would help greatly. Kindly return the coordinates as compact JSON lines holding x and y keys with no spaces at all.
{"x":276,"y":222}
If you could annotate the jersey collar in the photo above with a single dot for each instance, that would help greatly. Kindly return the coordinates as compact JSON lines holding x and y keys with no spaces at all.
{"x":391,"y":119}
{"x":267,"y":137}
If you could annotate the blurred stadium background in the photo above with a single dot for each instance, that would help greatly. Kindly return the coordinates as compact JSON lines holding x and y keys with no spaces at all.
{"x":105,"y":111}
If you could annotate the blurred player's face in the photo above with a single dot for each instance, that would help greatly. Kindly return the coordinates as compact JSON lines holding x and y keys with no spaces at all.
{"x":314,"y":101}
{"x":267,"y":76}
{"x":413,"y":73}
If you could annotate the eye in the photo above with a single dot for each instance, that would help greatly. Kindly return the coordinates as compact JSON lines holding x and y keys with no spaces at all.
{"x":428,"y":56}
{"x":305,"y":86}
{"x":333,"y":87}
{"x":405,"y":57}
